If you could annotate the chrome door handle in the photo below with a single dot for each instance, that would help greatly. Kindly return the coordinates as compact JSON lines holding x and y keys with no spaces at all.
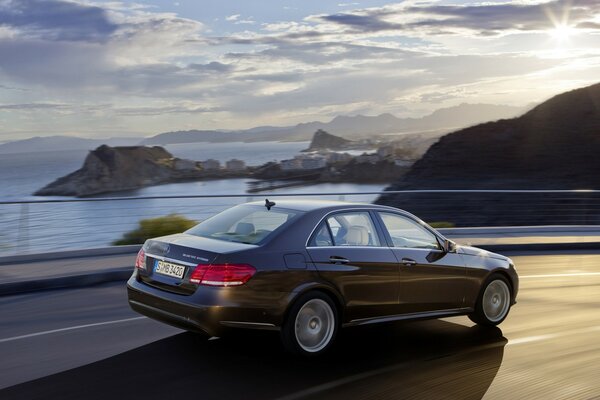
{"x":408,"y":262}
{"x":338,"y":260}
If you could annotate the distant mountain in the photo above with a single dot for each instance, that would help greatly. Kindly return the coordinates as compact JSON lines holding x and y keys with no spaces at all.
{"x":553,"y":146}
{"x":349,"y":127}
{"x":59,"y":143}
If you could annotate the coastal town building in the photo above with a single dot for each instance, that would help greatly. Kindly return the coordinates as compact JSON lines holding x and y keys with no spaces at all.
{"x":235,"y":165}
{"x":302,"y":162}
{"x":334,"y":157}
{"x":210,"y":164}
{"x":183,"y":164}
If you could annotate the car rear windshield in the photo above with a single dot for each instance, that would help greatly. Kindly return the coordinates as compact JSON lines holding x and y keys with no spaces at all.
{"x":244,"y":224}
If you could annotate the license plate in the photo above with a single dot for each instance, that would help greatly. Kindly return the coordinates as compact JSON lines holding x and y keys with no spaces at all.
{"x":169,"y":269}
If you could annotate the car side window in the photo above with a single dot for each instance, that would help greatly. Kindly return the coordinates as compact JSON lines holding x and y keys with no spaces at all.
{"x":353,"y":229}
{"x":406,"y":232}
{"x":322,"y":237}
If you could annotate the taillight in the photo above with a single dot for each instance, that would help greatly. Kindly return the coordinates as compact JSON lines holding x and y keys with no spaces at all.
{"x":222,"y":274}
{"x":140,"y":260}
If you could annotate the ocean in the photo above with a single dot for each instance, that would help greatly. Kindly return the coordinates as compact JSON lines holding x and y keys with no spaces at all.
{"x":60,"y":226}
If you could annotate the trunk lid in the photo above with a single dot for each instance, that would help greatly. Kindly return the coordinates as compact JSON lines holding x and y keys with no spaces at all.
{"x":170,"y":260}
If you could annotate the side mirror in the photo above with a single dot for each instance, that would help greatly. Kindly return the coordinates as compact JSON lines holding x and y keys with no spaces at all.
{"x":449,"y":246}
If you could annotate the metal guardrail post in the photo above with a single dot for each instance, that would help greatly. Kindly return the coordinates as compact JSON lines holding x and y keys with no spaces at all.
{"x":23,"y":230}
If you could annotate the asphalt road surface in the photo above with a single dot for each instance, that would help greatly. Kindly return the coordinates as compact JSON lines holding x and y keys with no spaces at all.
{"x":87,"y":344}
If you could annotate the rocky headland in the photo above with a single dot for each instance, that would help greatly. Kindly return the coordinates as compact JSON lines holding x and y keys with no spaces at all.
{"x":111,"y":169}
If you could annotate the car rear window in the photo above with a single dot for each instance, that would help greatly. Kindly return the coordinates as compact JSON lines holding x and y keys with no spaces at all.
{"x":244,"y":224}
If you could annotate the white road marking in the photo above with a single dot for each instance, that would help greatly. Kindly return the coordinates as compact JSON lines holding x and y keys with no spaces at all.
{"x":70,"y":328}
{"x":549,"y":336}
{"x":560,"y":275}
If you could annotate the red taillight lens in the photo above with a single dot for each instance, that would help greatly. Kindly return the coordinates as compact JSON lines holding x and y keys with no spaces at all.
{"x":140,"y":260}
{"x":222,"y":274}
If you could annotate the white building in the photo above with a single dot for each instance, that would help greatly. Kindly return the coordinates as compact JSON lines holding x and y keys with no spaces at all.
{"x":210,"y":165}
{"x":235,"y":165}
{"x":303,"y":162}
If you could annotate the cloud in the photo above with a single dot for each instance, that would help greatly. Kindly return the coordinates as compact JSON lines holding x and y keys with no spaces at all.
{"x":33,"y":107}
{"x":57,"y":20}
{"x":134,"y":68}
{"x":489,"y":19}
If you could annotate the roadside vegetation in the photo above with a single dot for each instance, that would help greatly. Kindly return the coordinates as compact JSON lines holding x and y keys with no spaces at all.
{"x":442,"y":224}
{"x":154,"y":227}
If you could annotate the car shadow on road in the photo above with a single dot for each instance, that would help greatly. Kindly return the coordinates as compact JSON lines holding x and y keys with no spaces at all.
{"x":426,"y":359}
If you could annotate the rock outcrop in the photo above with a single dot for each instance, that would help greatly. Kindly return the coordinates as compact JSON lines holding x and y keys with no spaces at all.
{"x":111,"y":169}
{"x":325,"y":141}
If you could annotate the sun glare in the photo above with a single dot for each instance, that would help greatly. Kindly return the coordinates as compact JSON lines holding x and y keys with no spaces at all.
{"x":561,"y":32}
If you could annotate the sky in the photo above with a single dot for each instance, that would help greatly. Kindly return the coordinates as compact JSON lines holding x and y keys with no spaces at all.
{"x":105,"y":69}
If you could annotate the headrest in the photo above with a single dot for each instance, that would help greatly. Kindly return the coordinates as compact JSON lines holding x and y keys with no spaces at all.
{"x":357,"y":236}
{"x":244,"y":228}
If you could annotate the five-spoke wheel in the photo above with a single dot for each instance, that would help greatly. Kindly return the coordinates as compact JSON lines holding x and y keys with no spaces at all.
{"x":493,"y":303}
{"x":311,"y":324}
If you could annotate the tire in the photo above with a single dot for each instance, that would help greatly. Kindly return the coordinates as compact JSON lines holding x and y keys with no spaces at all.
{"x":311,"y":325}
{"x":493,"y":302}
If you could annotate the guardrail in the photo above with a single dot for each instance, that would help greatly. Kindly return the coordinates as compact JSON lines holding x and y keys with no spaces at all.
{"x":64,"y":224}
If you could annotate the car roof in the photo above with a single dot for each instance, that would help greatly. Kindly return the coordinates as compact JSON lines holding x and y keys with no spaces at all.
{"x":311,"y":205}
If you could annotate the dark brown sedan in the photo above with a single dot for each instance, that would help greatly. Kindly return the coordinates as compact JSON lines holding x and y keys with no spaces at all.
{"x":308,"y":268}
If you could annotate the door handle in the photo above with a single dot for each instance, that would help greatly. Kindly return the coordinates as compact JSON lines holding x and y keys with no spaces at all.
{"x":338,"y":260}
{"x":408,"y":262}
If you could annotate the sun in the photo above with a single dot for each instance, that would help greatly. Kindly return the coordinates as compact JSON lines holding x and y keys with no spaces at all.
{"x":561,"y":32}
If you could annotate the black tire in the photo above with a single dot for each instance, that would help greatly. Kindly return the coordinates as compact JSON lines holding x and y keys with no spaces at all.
{"x":324,"y":322}
{"x":495,"y":314}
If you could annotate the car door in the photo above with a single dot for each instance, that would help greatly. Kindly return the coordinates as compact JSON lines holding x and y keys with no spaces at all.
{"x":350,"y":252}
{"x":431,"y":279}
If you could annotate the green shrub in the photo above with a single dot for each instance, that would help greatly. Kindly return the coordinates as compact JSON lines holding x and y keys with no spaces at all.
{"x":442,"y":224}
{"x":153,"y":227}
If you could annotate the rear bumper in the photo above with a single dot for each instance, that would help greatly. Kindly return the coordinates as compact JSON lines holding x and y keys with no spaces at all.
{"x":210,"y":310}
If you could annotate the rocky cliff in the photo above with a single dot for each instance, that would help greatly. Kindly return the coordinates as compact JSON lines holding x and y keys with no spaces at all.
{"x":108,"y":169}
{"x":111,"y":169}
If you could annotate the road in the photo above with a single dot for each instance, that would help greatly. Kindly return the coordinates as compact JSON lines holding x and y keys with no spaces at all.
{"x":86,"y":343}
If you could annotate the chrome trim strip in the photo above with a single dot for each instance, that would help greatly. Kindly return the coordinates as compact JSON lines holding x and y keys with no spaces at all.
{"x":162,"y":258}
{"x":250,"y":325}
{"x":400,"y":317}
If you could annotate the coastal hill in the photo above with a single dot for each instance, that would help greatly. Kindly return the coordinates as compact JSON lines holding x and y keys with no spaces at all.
{"x":553,"y":146}
{"x":326,"y":141}
{"x":62,"y":143}
{"x":110,"y":169}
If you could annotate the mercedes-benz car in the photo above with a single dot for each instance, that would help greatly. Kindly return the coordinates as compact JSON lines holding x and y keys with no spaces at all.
{"x":309,"y":268}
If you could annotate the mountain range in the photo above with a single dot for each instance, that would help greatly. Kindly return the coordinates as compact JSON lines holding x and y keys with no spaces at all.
{"x":350,"y":127}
